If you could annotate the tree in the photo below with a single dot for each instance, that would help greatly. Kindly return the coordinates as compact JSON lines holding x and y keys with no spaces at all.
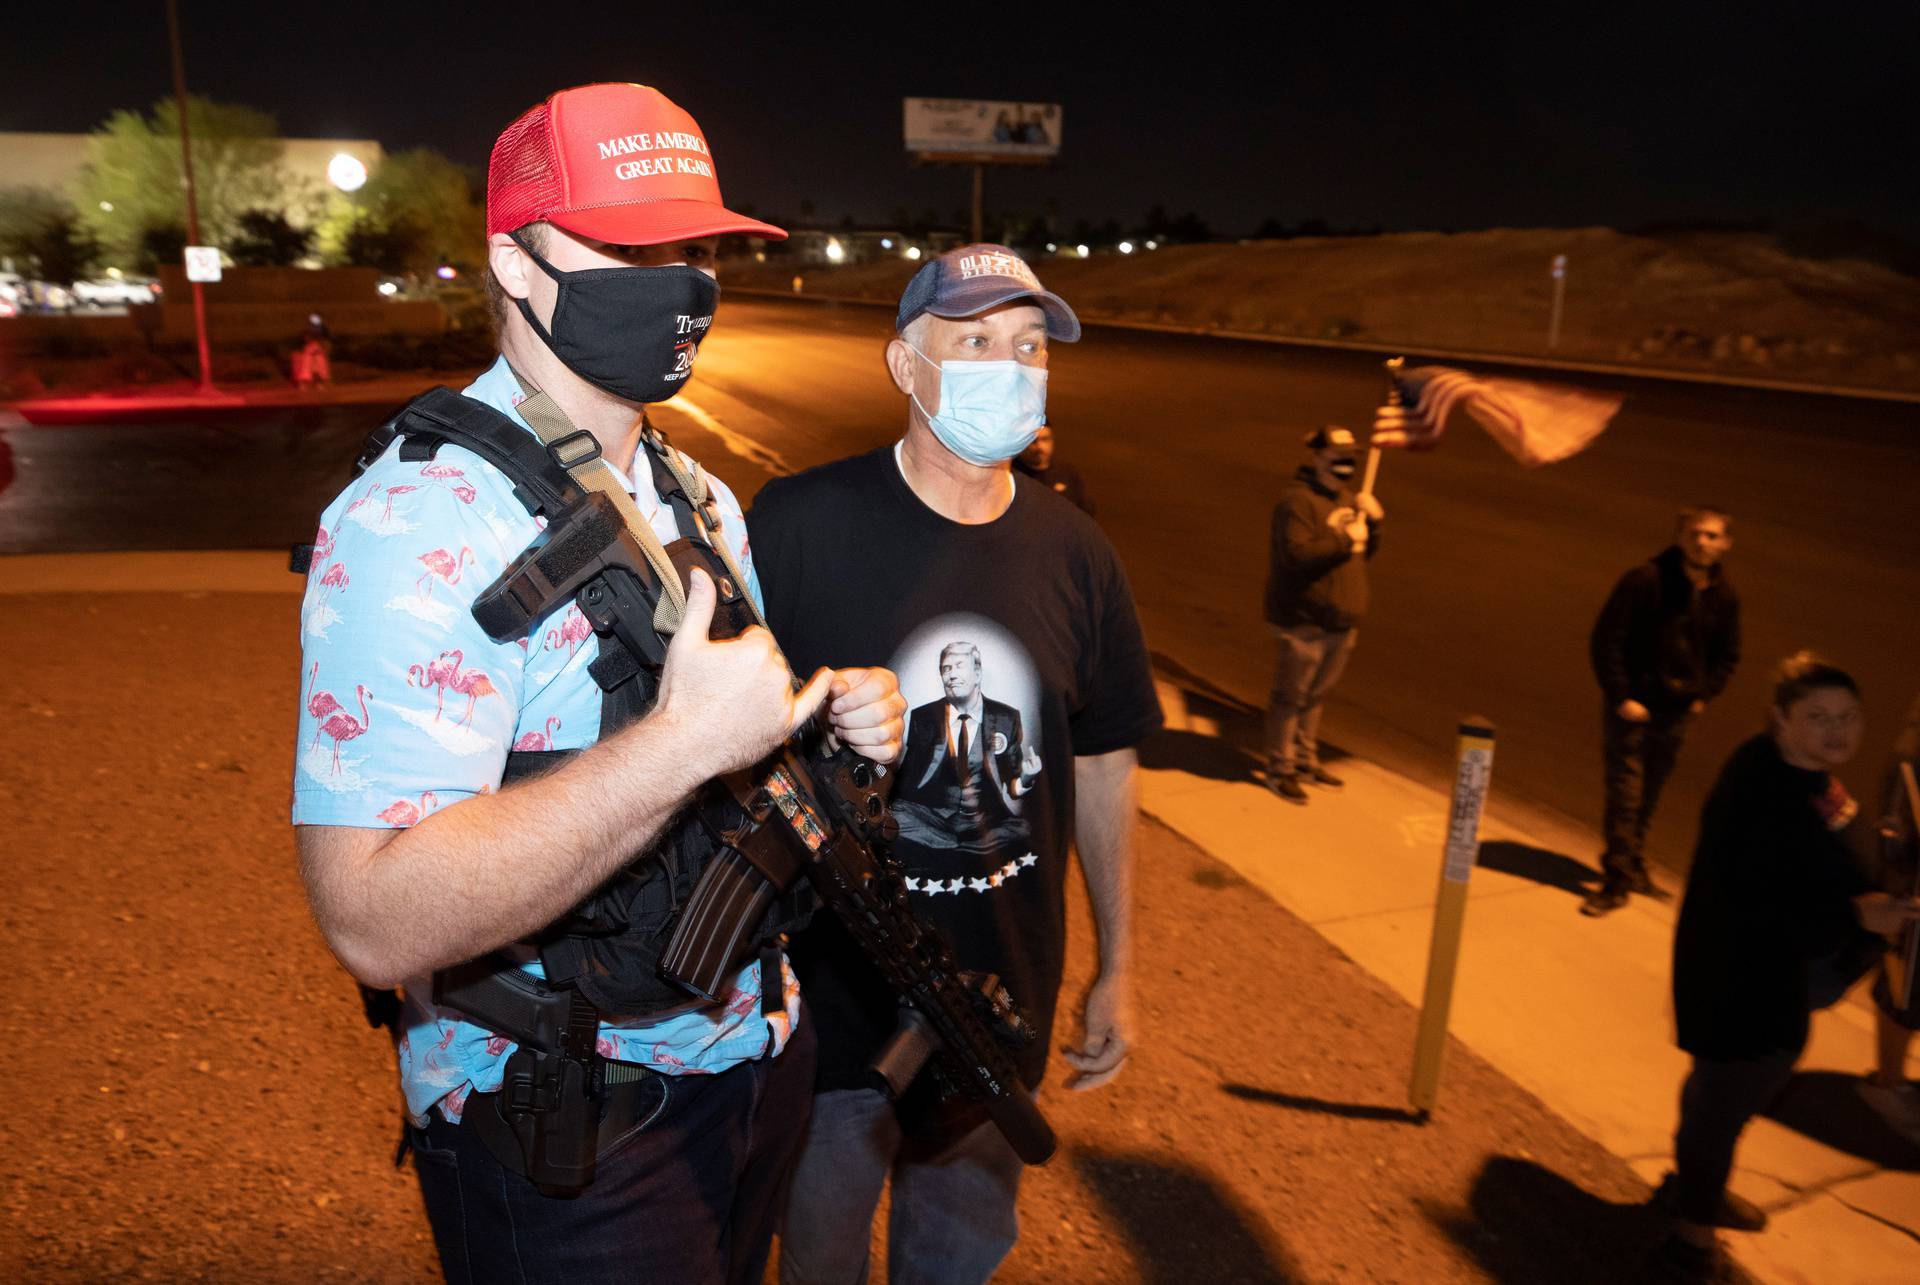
{"x":43,"y":235}
{"x":1272,"y":229}
{"x":1190,"y":228}
{"x":416,"y":211}
{"x":265,"y":239}
{"x":132,"y":180}
{"x":393,"y":248}
{"x":160,"y":243}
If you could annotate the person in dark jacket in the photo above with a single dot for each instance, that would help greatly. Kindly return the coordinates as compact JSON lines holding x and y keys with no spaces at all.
{"x":1665,"y":644}
{"x":1777,"y":916}
{"x":1040,"y":463}
{"x":1322,"y":538}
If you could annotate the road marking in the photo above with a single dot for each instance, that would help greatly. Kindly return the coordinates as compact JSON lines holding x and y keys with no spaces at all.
{"x":739,"y":443}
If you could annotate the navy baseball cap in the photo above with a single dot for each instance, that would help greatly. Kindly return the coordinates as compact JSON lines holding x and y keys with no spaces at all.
{"x":974,"y":278}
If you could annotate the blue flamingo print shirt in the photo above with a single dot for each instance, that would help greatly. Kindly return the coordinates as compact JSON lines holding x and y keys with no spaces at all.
{"x":407,"y":708}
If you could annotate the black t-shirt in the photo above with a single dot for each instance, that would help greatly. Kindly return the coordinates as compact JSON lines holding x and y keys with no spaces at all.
{"x":1018,"y":648}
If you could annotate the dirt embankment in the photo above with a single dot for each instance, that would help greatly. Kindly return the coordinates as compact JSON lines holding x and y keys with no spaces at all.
{"x":199,"y":1098}
{"x":1733,"y":303}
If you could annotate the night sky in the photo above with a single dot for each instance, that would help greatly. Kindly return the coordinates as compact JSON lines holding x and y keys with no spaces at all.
{"x":1680,"y":113}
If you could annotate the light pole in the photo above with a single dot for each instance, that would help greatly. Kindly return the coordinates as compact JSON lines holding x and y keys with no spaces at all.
{"x":193,"y":207}
{"x":1559,"y":297}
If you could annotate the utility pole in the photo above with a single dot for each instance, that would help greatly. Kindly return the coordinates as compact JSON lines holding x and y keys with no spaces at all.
{"x":193,"y":207}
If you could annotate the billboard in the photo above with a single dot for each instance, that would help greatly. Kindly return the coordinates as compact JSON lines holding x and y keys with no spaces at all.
{"x":966,"y":129}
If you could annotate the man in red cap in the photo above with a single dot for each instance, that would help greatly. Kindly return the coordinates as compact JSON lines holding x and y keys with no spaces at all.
{"x":452,"y":847}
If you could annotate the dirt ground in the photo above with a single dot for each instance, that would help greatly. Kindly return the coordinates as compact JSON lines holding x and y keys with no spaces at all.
{"x":197,"y":1097}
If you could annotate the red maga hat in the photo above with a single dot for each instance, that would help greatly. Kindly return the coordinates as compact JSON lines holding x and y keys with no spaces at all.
{"x":614,"y":162}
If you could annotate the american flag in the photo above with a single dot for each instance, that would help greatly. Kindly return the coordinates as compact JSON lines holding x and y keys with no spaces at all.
{"x":1534,"y":423}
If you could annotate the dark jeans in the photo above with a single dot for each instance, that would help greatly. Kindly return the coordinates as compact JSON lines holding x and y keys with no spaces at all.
{"x":1716,"y":1102}
{"x":1311,"y":660}
{"x":690,"y":1194}
{"x":1639,"y":759}
{"x":952,"y":1214}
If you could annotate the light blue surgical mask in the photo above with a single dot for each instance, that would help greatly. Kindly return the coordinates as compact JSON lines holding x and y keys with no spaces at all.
{"x":989,"y":410}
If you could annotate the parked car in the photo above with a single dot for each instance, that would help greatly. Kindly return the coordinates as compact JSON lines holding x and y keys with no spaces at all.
{"x":110,"y":292}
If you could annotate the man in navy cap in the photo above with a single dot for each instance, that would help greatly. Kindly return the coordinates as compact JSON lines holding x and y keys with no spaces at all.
{"x":1008,"y":618}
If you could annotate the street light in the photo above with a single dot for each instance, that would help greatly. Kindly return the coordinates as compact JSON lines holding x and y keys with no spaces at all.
{"x":346,"y":172}
{"x":1081,"y":250}
{"x":835,"y":251}
{"x":913,"y":252}
{"x":1126,"y":247}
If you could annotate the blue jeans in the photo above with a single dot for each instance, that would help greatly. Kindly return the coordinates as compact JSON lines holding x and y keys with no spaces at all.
{"x":1311,"y":660}
{"x":689,"y":1194}
{"x":953,"y":1216}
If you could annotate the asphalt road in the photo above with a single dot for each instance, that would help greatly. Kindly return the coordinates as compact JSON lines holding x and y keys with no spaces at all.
{"x":1486,"y":584}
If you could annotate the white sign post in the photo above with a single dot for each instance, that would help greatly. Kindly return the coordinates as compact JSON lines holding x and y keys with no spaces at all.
{"x":203,"y":262}
{"x":967,"y":131}
{"x":1473,"y":772}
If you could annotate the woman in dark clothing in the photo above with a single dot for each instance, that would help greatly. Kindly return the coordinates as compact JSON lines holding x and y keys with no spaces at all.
{"x":1774,"y":902}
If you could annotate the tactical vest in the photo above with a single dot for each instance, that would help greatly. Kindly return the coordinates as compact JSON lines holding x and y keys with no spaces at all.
{"x":609,"y":946}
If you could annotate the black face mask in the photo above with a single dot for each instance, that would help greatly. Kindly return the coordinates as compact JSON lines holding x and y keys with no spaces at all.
{"x":630,"y":331}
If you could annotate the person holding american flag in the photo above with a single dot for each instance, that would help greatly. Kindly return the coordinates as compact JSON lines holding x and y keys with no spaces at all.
{"x":1323,"y":535}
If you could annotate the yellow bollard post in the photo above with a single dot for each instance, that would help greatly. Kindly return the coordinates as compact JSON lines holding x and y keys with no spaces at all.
{"x":1472,"y":772}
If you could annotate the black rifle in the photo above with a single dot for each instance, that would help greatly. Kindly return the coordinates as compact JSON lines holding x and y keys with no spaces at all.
{"x":810,"y":808}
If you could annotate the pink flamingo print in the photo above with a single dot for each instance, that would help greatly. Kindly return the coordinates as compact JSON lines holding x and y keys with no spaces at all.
{"x":392,"y":491}
{"x":435,"y":674}
{"x":335,"y":578}
{"x":538,"y":740}
{"x":472,"y":684}
{"x":342,"y":726}
{"x":402,"y":813}
{"x":322,"y":549}
{"x":443,"y":564}
{"x":442,"y":475}
{"x":321,"y":705}
{"x":573,"y":631}
{"x":372,"y":489}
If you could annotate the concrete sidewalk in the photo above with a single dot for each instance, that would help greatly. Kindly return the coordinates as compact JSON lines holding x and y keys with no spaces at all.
{"x":1575,"y":1010}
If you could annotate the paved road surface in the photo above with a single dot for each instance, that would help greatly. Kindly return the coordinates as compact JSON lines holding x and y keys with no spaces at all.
{"x":1484,"y":590}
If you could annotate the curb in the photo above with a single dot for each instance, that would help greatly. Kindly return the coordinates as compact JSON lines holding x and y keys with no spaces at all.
{"x":1446,"y":354}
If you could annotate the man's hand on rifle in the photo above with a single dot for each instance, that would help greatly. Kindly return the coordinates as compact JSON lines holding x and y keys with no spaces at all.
{"x":737,"y":693}
{"x":867,"y":712}
{"x":1107,"y":1017}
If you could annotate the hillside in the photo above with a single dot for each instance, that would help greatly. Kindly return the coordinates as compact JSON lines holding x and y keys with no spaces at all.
{"x":1732,"y":302}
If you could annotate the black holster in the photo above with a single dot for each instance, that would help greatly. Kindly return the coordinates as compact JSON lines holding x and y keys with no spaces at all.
{"x":544,"y":1122}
